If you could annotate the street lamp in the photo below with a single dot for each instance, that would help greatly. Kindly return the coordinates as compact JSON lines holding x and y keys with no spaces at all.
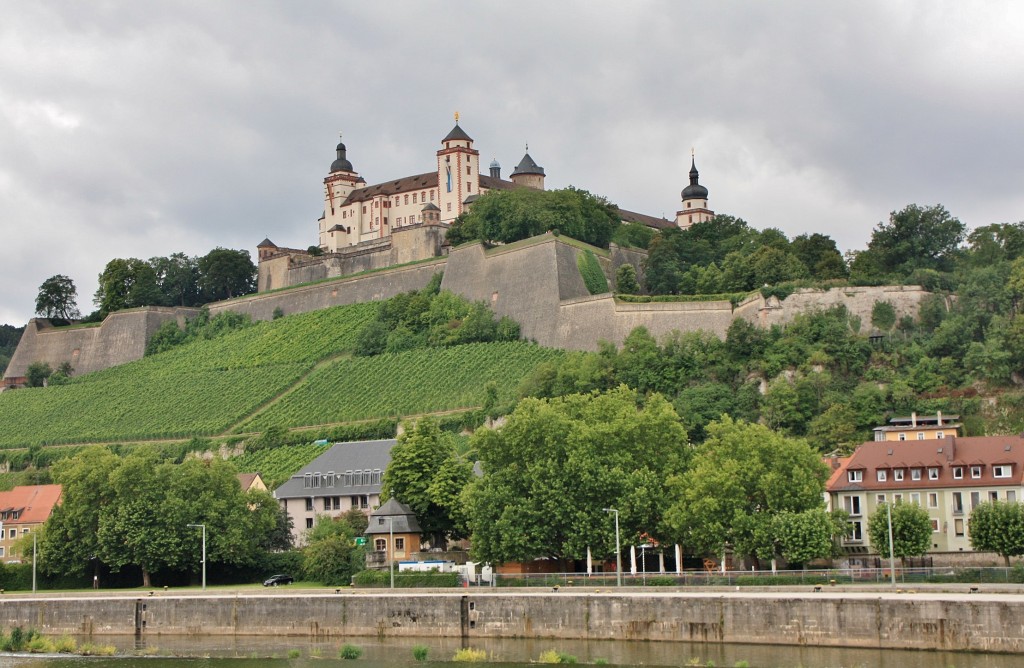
{"x":203,"y":527}
{"x":892,"y":558}
{"x":618,"y":550}
{"x":391,"y":549}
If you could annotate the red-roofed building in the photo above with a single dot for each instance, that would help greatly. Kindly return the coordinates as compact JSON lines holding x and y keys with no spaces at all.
{"x":946,"y":476}
{"x":22,"y":510}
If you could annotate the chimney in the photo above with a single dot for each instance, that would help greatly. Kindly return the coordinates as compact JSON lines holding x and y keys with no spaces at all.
{"x":913,"y":420}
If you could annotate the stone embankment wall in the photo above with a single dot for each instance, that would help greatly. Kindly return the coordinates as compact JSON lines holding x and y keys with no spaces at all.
{"x":984,"y":623}
{"x":120,"y":338}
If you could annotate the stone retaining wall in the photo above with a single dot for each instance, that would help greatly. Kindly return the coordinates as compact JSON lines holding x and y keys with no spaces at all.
{"x":960,"y":622}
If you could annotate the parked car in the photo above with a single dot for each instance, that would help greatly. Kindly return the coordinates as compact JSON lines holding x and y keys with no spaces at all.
{"x":275,"y":580}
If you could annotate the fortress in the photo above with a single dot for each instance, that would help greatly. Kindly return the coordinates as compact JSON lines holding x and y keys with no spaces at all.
{"x":378,"y":241}
{"x":404,"y":220}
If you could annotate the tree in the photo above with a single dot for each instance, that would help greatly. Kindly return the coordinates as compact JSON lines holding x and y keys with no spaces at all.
{"x":740,"y":478}
{"x":427,"y":474}
{"x":549,"y":472}
{"x":226,"y":273}
{"x":57,"y":298}
{"x":663,"y":268}
{"x":998,"y":526}
{"x":37,"y":373}
{"x":135,"y":511}
{"x":914,"y":238}
{"x":911,"y":530}
{"x":505,"y":216}
{"x":177,"y":278}
{"x":625,"y":280}
{"x":802,"y":537}
{"x":820,"y":255}
{"x":126,"y":284}
{"x":328,"y":555}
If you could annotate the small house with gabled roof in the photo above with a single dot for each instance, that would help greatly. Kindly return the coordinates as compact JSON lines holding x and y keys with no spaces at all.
{"x":393,"y":533}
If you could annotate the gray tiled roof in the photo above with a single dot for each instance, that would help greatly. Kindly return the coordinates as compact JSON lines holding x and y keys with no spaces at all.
{"x":341,"y":460}
{"x":403,"y":519}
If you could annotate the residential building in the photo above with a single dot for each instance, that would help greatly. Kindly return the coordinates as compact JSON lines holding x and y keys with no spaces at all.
{"x":393,"y":534}
{"x":919,"y":428}
{"x":250,"y":481}
{"x":947,"y":476}
{"x":347,"y":476}
{"x":22,"y":510}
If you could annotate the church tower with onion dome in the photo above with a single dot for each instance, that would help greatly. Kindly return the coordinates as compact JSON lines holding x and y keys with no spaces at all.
{"x":695,"y":201}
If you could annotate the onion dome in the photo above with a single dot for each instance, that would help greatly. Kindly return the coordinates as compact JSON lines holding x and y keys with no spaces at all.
{"x":341,"y":164}
{"x":694,"y":190}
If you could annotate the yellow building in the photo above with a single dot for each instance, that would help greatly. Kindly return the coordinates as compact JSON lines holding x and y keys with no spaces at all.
{"x":919,"y":428}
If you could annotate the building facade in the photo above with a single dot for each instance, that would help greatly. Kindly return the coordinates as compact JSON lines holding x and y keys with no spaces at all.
{"x":23,"y":510}
{"x":347,"y":476}
{"x":947,"y":476}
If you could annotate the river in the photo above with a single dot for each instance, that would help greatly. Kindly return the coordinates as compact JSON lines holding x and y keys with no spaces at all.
{"x":273,"y":652}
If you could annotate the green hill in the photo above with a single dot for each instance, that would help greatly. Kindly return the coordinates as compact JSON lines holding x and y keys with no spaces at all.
{"x":293,"y":371}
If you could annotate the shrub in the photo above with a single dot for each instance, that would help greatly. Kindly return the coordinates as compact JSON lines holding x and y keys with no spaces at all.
{"x":554,"y":656}
{"x":89,"y":649}
{"x":420,"y":652}
{"x":470,"y":655}
{"x":65,"y":645}
{"x":405,"y":580}
{"x":40,"y":645}
{"x":625,"y":280}
{"x":883,"y":316}
{"x":348,"y":651}
{"x":590,"y":270}
{"x":294,"y":654}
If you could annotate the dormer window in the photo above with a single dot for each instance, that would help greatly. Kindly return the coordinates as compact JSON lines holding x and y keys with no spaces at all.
{"x":933,"y":473}
{"x":1001,"y":471}
{"x":855,"y":476}
{"x":958,"y":473}
{"x":975,"y":472}
{"x":897,"y":475}
{"x":882,"y":475}
{"x":915,"y":474}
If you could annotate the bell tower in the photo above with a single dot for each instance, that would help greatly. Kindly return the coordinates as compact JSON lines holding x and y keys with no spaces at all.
{"x":458,"y":172}
{"x":695,"y":200}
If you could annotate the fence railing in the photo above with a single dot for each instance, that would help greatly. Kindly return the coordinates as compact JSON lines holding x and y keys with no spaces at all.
{"x":824,"y":577}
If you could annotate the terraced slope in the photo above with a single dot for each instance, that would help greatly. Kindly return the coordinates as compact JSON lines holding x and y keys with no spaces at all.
{"x":291,"y":372}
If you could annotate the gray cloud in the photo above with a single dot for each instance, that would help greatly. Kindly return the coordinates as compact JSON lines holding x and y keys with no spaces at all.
{"x":141,"y":129}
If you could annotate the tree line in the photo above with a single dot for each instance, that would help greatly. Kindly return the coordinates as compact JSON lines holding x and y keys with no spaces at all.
{"x":175,"y":280}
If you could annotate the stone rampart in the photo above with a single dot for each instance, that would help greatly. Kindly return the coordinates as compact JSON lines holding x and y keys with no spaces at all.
{"x":120,"y":338}
{"x":927,"y":621}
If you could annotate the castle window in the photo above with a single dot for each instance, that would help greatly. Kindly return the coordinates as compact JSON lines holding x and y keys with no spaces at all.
{"x":688,"y":205}
{"x":467,"y":171}
{"x":364,"y":208}
{"x":344,"y":214}
{"x":414,"y":198}
{"x":691,"y":217}
{"x":469,"y":186}
{"x":431,"y":195}
{"x":449,"y":206}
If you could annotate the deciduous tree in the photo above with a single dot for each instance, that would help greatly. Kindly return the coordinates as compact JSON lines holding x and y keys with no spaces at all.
{"x":57,"y":298}
{"x":911,"y":530}
{"x":225,"y":273}
{"x":998,"y":526}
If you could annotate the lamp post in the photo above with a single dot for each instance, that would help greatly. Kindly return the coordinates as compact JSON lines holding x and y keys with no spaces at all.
{"x":892,"y":558}
{"x":203,"y":527}
{"x":391,"y":549}
{"x":34,"y":545}
{"x":618,"y":550}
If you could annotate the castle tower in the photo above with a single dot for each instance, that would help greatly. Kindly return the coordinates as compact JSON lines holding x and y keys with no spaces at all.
{"x":458,"y":172}
{"x":528,"y":173}
{"x":695,"y":201}
{"x":338,"y":185}
{"x":495,"y":169}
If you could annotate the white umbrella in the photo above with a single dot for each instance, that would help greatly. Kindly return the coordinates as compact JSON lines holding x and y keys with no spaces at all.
{"x":679,"y":560}
{"x":590,"y":564}
{"x":632,"y":559}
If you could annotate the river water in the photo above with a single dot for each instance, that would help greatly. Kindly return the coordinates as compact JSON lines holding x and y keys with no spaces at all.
{"x":245,"y":652}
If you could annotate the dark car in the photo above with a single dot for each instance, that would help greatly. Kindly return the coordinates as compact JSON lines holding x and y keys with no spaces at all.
{"x":275,"y":580}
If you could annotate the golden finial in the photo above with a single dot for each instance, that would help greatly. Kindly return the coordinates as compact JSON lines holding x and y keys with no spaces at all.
{"x":456,"y":118}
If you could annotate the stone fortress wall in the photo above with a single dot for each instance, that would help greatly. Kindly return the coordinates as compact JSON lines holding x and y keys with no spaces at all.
{"x":120,"y":338}
{"x":535,"y":282}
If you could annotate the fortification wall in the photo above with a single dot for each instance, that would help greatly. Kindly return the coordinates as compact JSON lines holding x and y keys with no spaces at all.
{"x":121,"y":338}
{"x":960,"y":622}
{"x":350,"y":290}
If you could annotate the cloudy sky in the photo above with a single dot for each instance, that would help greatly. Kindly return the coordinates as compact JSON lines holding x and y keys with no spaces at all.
{"x":132,"y":129}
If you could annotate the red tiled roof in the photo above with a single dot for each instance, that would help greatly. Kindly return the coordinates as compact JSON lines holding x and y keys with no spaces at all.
{"x":945,"y":453}
{"x":37,"y":502}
